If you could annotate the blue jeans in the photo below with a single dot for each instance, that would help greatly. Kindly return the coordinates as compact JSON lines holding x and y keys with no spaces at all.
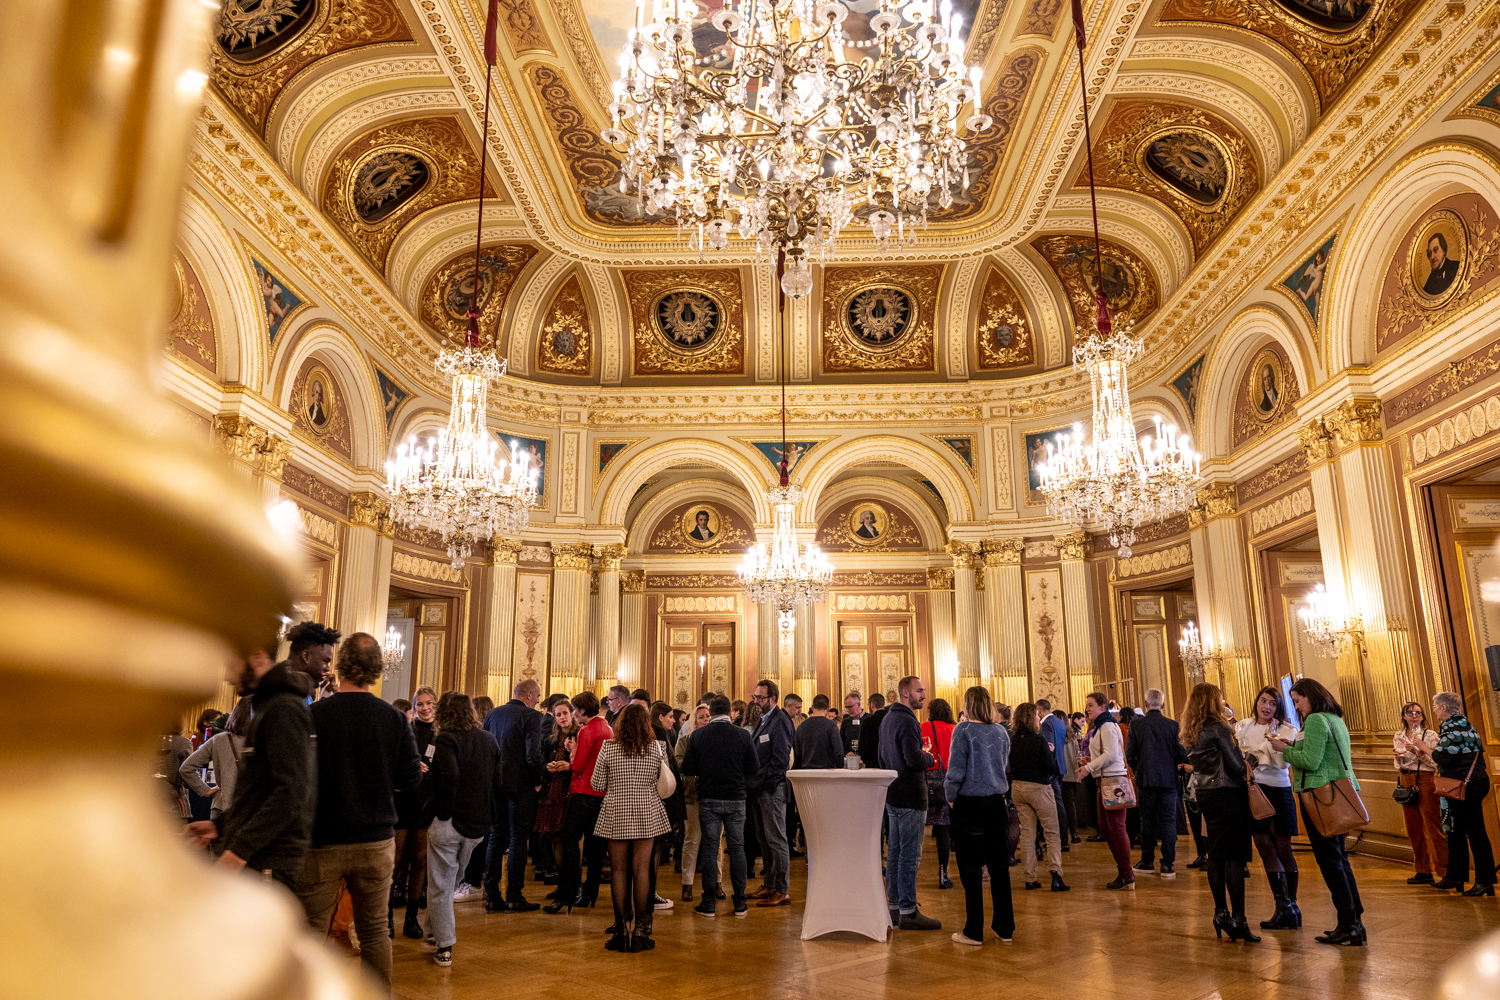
{"x":902,"y":855}
{"x":517,"y":813}
{"x":1158,"y":811}
{"x":770,"y":830}
{"x":447,"y":854}
{"x":726,"y":817}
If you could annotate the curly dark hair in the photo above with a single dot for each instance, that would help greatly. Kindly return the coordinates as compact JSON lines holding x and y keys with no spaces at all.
{"x":361,"y":661}
{"x":633,"y":731}
{"x":305,"y":635}
{"x":939,"y":710}
{"x":455,"y":713}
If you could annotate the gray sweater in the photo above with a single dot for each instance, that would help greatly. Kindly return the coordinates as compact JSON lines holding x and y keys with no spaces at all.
{"x":225,"y":761}
{"x":978,"y":759}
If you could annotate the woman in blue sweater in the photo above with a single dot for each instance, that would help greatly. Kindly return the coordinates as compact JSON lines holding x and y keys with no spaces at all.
{"x":975,"y":788}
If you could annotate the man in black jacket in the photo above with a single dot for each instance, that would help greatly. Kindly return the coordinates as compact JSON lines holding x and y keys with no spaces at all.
{"x":851,"y":729}
{"x":905,"y":804}
{"x":517,"y":728}
{"x":817,"y":742}
{"x":1153,"y":751}
{"x":366,"y":753}
{"x":869,"y":740}
{"x":721,"y":755}
{"x":773,"y":748}
{"x":268,"y":826}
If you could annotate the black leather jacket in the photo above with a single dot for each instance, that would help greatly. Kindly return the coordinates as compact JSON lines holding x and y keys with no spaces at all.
{"x":1216,"y":758}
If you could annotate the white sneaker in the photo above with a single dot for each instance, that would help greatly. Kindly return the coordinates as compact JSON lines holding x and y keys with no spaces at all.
{"x":662,"y":903}
{"x":461,"y":894}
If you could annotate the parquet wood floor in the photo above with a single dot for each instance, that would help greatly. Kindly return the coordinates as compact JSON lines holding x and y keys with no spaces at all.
{"x":1156,"y":942}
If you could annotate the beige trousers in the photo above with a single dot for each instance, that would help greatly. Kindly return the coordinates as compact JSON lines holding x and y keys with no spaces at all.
{"x":1035,"y":804}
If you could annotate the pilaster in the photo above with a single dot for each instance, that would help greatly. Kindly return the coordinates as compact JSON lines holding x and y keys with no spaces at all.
{"x":1005,"y":596}
{"x":499,"y":616}
{"x":1221,"y":586}
{"x":632,"y":632}
{"x":570,"y":600}
{"x":966,"y":622}
{"x":1078,"y":616}
{"x":945,"y":669}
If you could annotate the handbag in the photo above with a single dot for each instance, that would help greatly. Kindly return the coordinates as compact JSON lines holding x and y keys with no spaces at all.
{"x":936,"y":775}
{"x":1335,"y":808}
{"x":1260,"y":806}
{"x":1452,"y":788}
{"x":1118,"y":792}
{"x":666,"y":781}
{"x":1408,"y":795}
{"x":1012,"y":825}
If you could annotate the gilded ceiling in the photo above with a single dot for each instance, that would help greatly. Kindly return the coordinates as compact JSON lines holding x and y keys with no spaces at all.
{"x":374,"y":106}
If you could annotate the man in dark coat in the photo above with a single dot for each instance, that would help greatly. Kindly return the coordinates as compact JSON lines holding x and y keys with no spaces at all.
{"x":517,"y":728}
{"x":1153,"y":751}
{"x":773,"y":749}
{"x":905,"y":804}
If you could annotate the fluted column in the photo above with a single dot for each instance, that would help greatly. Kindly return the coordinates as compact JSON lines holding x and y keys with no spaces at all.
{"x":364,"y":585}
{"x":767,"y":643}
{"x":1078,"y":617}
{"x":945,"y":670}
{"x":1005,"y":597}
{"x":1221,"y":586}
{"x":1364,"y":568}
{"x":805,"y":653}
{"x":982,"y":621}
{"x":965,"y":613}
{"x":607,"y":615}
{"x":500,"y":620}
{"x":570,"y":603}
{"x":255,"y":453}
{"x":632,"y":631}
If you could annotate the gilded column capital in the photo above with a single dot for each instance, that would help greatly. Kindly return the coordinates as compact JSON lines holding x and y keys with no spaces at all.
{"x":939,"y":578}
{"x":371,"y":510}
{"x":633,"y":581}
{"x":962,"y":553}
{"x":1002,"y":551}
{"x":504,"y":551}
{"x":572,"y":555}
{"x":1211,"y":502}
{"x":1316,"y":440}
{"x":1355,"y":421}
{"x":242,"y":440}
{"x":1074,"y":545}
{"x":611,"y":556}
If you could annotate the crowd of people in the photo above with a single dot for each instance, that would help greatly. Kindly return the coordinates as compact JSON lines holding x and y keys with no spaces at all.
{"x":364,"y":808}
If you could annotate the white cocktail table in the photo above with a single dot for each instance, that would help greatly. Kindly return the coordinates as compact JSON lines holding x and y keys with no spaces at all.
{"x":841,"y":812}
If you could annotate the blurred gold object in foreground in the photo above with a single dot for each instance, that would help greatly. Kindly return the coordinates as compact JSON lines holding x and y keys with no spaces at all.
{"x":131,"y":565}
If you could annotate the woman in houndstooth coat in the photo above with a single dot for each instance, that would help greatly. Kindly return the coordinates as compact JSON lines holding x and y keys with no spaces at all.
{"x":631,"y":819}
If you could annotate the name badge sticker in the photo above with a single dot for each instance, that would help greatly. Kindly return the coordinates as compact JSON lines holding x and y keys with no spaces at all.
{"x":765,"y":738}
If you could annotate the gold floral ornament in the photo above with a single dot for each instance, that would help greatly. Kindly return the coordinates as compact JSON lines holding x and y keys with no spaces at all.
{"x":447,"y":293}
{"x":384,"y":180}
{"x":1002,"y":331}
{"x":565,"y":344}
{"x":245,"y":23}
{"x":870,"y":527}
{"x":880,"y":318}
{"x":686,"y":322}
{"x":702,"y":528}
{"x":689,"y":320}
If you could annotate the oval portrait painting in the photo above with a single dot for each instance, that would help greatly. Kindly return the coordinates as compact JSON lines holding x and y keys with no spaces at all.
{"x":1266,"y":386}
{"x":319,"y":402}
{"x":701,"y":524}
{"x":1439,"y":257}
{"x":868,"y":523}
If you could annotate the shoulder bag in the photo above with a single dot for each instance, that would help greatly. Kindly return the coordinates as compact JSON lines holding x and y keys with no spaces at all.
{"x":1260,"y":806}
{"x":1408,"y":795}
{"x":666,"y":781}
{"x":1335,"y":808}
{"x":1117,"y":791}
{"x":936,"y":775}
{"x":1452,"y":788}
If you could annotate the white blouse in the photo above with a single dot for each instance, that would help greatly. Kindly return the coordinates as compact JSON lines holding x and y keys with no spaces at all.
{"x":1106,"y":752}
{"x":1254,"y":737}
{"x":1406,"y":760}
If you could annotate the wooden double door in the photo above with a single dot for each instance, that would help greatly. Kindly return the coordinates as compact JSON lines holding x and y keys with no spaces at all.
{"x":874,"y":653}
{"x":1154,"y":620}
{"x":697,"y":656}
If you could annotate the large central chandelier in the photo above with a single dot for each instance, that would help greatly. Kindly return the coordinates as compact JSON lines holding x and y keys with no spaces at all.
{"x":455,"y":484}
{"x":1113,"y":480}
{"x":789,"y":126}
{"x":783,"y":572}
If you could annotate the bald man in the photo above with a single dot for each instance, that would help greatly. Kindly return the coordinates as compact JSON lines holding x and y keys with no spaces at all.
{"x":517,"y":727}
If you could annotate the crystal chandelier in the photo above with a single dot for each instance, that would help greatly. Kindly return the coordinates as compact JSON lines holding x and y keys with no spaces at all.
{"x":1332,"y":638}
{"x":784,"y":573}
{"x":1113,"y":480}
{"x":790,"y":126}
{"x":454,"y":484}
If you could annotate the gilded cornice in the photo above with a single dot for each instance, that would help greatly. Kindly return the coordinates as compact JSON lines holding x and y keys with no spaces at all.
{"x":572,"y":556}
{"x":1003,"y":551}
{"x":939,"y":578}
{"x":611,"y":556}
{"x":1212,"y":502}
{"x":962,"y":553}
{"x":243,"y":440}
{"x":633,"y":581}
{"x":504,"y":551}
{"x":1073,"y":546}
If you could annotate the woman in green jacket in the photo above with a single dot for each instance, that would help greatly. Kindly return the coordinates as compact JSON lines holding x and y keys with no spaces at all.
{"x":1321,"y":757}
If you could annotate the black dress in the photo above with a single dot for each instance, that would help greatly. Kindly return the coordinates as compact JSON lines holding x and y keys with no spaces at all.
{"x":553,"y":803}
{"x":1223,"y":798}
{"x":409,"y":801}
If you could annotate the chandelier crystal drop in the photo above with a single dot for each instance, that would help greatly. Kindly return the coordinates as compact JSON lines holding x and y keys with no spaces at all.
{"x":784,"y":573}
{"x":1114,"y":480}
{"x":455,"y":484}
{"x":790,"y":127}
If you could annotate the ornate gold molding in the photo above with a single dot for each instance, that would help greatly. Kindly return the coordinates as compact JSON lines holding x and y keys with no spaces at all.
{"x":939,"y":578}
{"x":1213,"y":501}
{"x":504,"y":551}
{"x":1316,"y":440}
{"x":246,"y":442}
{"x":572,"y":556}
{"x":1074,"y":545}
{"x":371,"y":510}
{"x":1003,"y":551}
{"x":1354,"y":422}
{"x":633,"y":581}
{"x":611,"y":556}
{"x":962,"y":553}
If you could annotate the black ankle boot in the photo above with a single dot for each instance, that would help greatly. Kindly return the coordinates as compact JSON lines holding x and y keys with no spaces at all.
{"x":1222,"y":921}
{"x":412,"y":928}
{"x":1291,"y":899}
{"x":1282,"y":919}
{"x":943,"y":881}
{"x":1239,"y":930}
{"x":641,"y":939}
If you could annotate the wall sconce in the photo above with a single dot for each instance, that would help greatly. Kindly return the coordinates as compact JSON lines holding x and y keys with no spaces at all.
{"x":1330,"y":633}
{"x":394,"y":650}
{"x":1191,"y":648}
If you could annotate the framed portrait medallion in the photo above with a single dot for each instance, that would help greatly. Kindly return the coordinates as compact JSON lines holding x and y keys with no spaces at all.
{"x":1439,"y":258}
{"x":1266,"y":386}
{"x":868,"y":523}
{"x":701,"y":524}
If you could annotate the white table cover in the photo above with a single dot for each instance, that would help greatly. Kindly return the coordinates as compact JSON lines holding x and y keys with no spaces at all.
{"x":841,"y":812}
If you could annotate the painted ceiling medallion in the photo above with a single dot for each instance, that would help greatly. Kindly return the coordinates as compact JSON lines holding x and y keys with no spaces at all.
{"x":445,"y":295}
{"x":385,"y":181}
{"x":689,"y":320}
{"x":1192,"y":162}
{"x":253,"y":29}
{"x":880,"y":316}
{"x":1333,"y":15}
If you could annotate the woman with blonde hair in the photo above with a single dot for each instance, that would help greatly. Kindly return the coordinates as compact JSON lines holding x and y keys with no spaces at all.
{"x":1032,"y":768}
{"x":975,"y":787}
{"x":631,"y":819}
{"x":1421,"y":807}
{"x":1218,"y":783}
